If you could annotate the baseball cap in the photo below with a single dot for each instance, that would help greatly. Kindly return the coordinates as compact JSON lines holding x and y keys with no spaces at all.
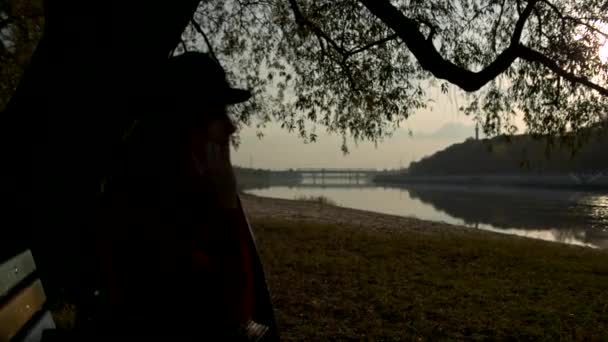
{"x":199,"y":75}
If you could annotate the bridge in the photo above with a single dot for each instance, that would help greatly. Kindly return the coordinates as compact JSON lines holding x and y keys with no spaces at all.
{"x":353,"y":175}
{"x":589,"y":177}
{"x":318,"y":185}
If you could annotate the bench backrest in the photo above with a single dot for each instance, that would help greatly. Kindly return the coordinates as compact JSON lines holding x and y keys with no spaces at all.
{"x":22,"y":301}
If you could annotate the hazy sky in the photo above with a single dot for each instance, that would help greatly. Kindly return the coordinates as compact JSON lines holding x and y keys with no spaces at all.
{"x":279,"y":149}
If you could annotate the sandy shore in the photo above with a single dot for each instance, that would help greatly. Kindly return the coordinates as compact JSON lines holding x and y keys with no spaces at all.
{"x":312,"y":212}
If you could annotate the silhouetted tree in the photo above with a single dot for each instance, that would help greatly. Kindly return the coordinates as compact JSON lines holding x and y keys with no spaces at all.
{"x":520,"y":155}
{"x":95,"y":70}
{"x":360,"y":67}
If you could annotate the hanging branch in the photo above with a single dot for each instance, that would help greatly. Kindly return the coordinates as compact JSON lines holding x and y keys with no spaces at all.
{"x":209,"y":47}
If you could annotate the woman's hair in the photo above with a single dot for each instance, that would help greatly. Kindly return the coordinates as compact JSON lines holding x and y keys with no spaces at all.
{"x":148,"y":160}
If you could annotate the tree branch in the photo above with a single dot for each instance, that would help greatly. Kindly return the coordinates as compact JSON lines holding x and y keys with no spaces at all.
{"x":372,"y":44}
{"x":497,"y":25}
{"x":477,"y":14}
{"x":540,"y":24}
{"x":534,"y":56}
{"x":432,"y":28}
{"x":578,"y":21}
{"x":200,"y":30}
{"x":304,"y":22}
{"x":521,"y":22}
{"x":320,"y":34}
{"x":519,"y":10}
{"x":430,"y":59}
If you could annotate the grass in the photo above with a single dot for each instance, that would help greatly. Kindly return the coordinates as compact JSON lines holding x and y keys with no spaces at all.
{"x":336,"y":283}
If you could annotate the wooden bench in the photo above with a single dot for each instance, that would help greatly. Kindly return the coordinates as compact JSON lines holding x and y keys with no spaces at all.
{"x":23,"y":316}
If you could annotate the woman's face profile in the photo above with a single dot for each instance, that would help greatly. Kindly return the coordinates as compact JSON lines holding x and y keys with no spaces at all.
{"x":210,"y":144}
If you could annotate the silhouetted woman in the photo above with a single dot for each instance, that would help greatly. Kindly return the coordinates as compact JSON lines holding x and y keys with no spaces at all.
{"x":179,"y":259}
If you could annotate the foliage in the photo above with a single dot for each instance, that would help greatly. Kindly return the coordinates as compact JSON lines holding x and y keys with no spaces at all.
{"x":21,"y":25}
{"x":361,"y":67}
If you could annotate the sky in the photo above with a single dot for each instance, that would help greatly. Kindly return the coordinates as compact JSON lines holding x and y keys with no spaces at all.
{"x":433,"y":130}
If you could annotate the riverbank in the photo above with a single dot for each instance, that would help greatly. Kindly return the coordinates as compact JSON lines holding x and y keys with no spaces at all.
{"x":316,"y":212}
{"x":338,"y":273}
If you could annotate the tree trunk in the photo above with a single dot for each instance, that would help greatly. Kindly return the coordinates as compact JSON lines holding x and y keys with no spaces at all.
{"x":90,"y":76}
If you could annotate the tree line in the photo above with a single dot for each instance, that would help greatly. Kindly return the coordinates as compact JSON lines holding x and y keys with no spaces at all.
{"x":520,"y":154}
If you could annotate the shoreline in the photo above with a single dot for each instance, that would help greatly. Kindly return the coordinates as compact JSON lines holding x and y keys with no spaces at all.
{"x":300,"y":211}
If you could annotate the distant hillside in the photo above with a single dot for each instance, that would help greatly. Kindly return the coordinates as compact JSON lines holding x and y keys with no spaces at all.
{"x":522,"y":154}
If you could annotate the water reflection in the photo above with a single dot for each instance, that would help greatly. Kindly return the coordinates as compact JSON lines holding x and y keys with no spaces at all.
{"x":579,"y":218}
{"x":564,"y":216}
{"x":503,"y":208}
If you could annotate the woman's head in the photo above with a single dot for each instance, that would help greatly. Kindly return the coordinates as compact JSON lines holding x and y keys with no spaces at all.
{"x":192,"y":122}
{"x":199,"y":94}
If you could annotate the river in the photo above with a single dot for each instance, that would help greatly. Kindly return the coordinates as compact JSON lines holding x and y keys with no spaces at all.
{"x":579,"y":218}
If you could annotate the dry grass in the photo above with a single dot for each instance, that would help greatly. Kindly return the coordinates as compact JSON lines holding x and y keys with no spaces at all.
{"x":336,"y":282}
